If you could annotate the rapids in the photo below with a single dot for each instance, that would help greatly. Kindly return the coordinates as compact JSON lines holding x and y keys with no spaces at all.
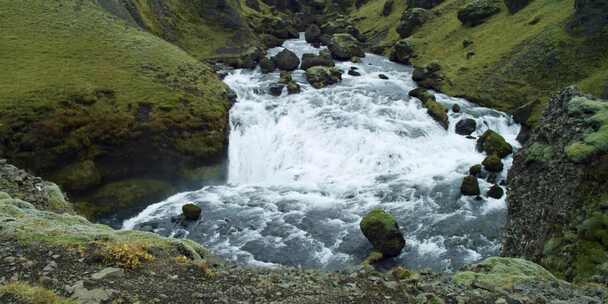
{"x":303,"y":169}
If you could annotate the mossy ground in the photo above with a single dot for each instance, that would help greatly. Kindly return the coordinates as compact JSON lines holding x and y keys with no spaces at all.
{"x":503,"y":273}
{"x":23,"y":293}
{"x":518,"y":59}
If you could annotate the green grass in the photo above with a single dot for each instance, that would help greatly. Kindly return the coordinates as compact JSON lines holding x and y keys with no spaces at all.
{"x":595,"y":140}
{"x":520,"y":58}
{"x":28,"y":294}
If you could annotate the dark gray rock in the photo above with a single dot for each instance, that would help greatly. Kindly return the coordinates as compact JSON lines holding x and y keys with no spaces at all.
{"x":286,"y":60}
{"x":345,"y":47}
{"x":495,"y":192}
{"x":320,"y":76}
{"x":411,"y":20}
{"x":466,"y":126}
{"x":310,"y":60}
{"x":313,"y":34}
{"x":402,"y":51}
{"x":276,"y":89}
{"x":267,"y":65}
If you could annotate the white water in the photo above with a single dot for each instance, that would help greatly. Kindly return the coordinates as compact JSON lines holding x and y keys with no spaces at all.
{"x":304,"y":169}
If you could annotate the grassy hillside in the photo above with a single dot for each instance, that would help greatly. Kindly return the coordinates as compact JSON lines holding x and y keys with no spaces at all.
{"x":84,"y":90}
{"x":518,"y":59}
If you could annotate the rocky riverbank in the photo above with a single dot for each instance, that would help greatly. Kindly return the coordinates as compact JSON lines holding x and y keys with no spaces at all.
{"x":48,"y":257}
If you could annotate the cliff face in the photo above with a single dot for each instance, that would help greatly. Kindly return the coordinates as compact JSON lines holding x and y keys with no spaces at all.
{"x":558,"y":194}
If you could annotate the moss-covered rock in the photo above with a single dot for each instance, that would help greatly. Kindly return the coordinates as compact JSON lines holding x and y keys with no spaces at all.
{"x":492,"y":163}
{"x":466,"y":126}
{"x":475,"y":170}
{"x":503,"y":273}
{"x":320,"y":76}
{"x":437,"y":111}
{"x":476,"y":12}
{"x":345,"y":47}
{"x":402,"y":51}
{"x":411,"y":20}
{"x":495,"y":192}
{"x":191,"y":212}
{"x":470,"y":186}
{"x":381,"y":229}
{"x":310,"y":60}
{"x":594,"y":114}
{"x":494,"y":144}
{"x":286,"y":60}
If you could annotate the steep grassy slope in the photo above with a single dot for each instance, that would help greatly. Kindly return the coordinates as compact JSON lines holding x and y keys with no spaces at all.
{"x":86,"y":92}
{"x":514,"y":59}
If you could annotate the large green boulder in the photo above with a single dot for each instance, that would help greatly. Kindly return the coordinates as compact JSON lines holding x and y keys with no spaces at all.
{"x":477,"y":12}
{"x":492,"y":163}
{"x":321,"y":76}
{"x":345,"y":47}
{"x":286,"y":60}
{"x":382,"y":230}
{"x":470,"y":186}
{"x":191,"y":212}
{"x":493,"y":143}
{"x":503,"y":273}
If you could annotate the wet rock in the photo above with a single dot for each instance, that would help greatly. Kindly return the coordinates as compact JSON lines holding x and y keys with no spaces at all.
{"x":293,"y":88}
{"x":470,"y":186}
{"x":437,"y":111}
{"x":382,"y":76}
{"x":382,"y":230}
{"x":495,"y":192}
{"x":320,"y":76}
{"x":402,"y":51}
{"x":286,"y":60}
{"x":422,"y":94}
{"x":285,"y":77}
{"x":427,"y":4}
{"x":354,"y":73}
{"x":310,"y":60}
{"x":515,"y":6}
{"x":313,"y":34}
{"x":475,"y":170}
{"x":191,"y":212}
{"x":455,"y":108}
{"x":267,"y":65}
{"x":428,"y":77}
{"x":466,"y":126}
{"x":476,"y":12}
{"x":276,"y":89}
{"x":493,"y":143}
{"x":345,"y":47}
{"x":492,"y":163}
{"x":411,"y":20}
{"x":388,"y":7}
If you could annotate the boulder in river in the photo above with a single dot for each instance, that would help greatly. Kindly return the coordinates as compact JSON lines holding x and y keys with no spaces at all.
{"x":310,"y":60}
{"x":495,"y":192}
{"x":476,"y":12}
{"x":466,"y":126}
{"x":402,"y":51}
{"x":382,"y":230}
{"x":286,"y":60}
{"x":492,"y":163}
{"x":456,"y":108}
{"x":475,"y":170}
{"x":345,"y":47}
{"x":493,"y":143}
{"x":276,"y":89}
{"x":191,"y":212}
{"x":267,"y":65}
{"x":320,"y":76}
{"x":313,"y":34}
{"x":428,"y":77}
{"x":293,"y":88}
{"x":411,"y":20}
{"x":470,"y":186}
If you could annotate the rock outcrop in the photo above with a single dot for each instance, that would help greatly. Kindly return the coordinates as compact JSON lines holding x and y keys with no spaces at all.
{"x":320,"y":76}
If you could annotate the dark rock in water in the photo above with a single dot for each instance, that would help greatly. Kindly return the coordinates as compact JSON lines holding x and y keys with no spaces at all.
{"x":455,"y":108}
{"x":267,"y":65}
{"x":271,"y":41}
{"x":388,"y":7}
{"x":354,"y":73}
{"x":402,"y":51}
{"x":428,"y":4}
{"x":285,"y":77}
{"x":286,"y":60}
{"x":320,"y":76}
{"x":590,"y":16}
{"x":382,"y":76}
{"x":310,"y":60}
{"x":293,"y":88}
{"x":495,"y":192}
{"x":276,"y":89}
{"x":428,"y":77}
{"x":515,"y":6}
{"x":231,"y":95}
{"x":493,"y":143}
{"x":345,"y":47}
{"x":470,"y":186}
{"x":382,"y":230}
{"x":421,"y":94}
{"x":476,"y":12}
{"x":411,"y":20}
{"x":191,"y":212}
{"x":492,"y":163}
{"x":313,"y":34}
{"x":466,"y":126}
{"x":437,"y":111}
{"x":475,"y":170}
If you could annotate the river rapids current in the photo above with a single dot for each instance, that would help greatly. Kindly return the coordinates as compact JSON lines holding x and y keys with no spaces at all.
{"x":303,"y":169}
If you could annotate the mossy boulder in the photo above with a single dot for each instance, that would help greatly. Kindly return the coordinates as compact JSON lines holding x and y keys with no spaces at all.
{"x":422,"y":94}
{"x":411,"y":20}
{"x":402,"y":51}
{"x":382,"y":230}
{"x":476,"y":12}
{"x":492,"y":163}
{"x":320,"y":76}
{"x":475,"y":170}
{"x":494,"y":144}
{"x":503,"y":273}
{"x":191,"y":212}
{"x":313,"y":34}
{"x":267,"y":65}
{"x":438,"y":112}
{"x":286,"y":60}
{"x":429,"y":77}
{"x":495,"y":192}
{"x":310,"y":60}
{"x":466,"y":126}
{"x":470,"y":186}
{"x":345,"y":47}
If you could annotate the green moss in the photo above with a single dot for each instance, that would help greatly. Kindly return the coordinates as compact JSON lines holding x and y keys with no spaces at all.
{"x":437,"y":111}
{"x":378,"y":216}
{"x":26,"y":294}
{"x":503,"y":273}
{"x":492,"y":163}
{"x":539,"y":152}
{"x":595,"y":141}
{"x":494,"y":144}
